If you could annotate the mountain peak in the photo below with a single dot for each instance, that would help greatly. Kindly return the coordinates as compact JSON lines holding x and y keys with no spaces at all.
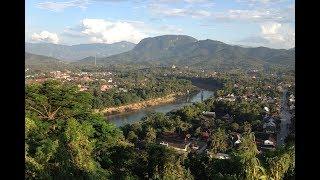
{"x":164,"y":42}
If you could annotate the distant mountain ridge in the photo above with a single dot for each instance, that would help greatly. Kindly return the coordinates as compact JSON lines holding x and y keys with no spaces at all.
{"x":39,"y":62}
{"x":77,"y":52}
{"x":186,"y":50}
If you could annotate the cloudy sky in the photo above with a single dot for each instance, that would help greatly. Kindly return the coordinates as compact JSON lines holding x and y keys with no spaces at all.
{"x":269,"y":23}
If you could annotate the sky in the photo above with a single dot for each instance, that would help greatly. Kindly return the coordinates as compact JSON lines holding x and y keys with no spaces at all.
{"x":269,"y":23}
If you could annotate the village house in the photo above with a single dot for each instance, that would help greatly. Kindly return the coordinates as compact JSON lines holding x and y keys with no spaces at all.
{"x":123,"y":90}
{"x":291,"y":98}
{"x":270,"y":126}
{"x":218,"y":155}
{"x":265,"y":141}
{"x":222,"y":156}
{"x":105,"y":87}
{"x":208,"y":113}
{"x":82,"y":88}
{"x":175,"y":141}
{"x":235,"y":138}
{"x":86,"y":78}
{"x":227,"y":118}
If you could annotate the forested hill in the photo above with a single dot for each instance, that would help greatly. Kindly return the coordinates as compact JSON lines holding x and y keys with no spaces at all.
{"x":77,"y":52}
{"x":38,"y":62}
{"x":188,"y":51}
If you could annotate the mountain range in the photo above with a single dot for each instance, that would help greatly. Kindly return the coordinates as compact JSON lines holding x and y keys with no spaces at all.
{"x":77,"y":52}
{"x":182,"y":50}
{"x":188,"y":51}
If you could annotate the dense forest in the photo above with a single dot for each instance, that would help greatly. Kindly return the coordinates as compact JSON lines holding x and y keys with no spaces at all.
{"x":136,"y":88}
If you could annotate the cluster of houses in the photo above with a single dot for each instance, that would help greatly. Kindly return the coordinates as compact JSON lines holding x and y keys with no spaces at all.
{"x":291,"y":103}
{"x":183,"y":143}
{"x":81,"y":78}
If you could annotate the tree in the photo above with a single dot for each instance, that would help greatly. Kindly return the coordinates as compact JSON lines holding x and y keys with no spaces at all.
{"x":176,"y":171}
{"x":79,"y":145}
{"x":246,"y":154}
{"x":235,"y":126}
{"x":132,"y":137}
{"x":219,"y":141}
{"x":281,"y":163}
{"x":151,"y":135}
{"x":246,"y":128}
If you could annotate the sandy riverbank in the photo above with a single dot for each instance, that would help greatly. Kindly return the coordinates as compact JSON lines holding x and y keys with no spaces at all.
{"x":139,"y":105}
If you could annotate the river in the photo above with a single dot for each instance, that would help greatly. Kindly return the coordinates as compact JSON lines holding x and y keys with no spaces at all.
{"x":131,"y":117}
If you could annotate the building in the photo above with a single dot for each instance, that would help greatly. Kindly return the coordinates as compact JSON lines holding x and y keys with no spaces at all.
{"x":175,"y":141}
{"x":227,"y":118}
{"x":265,"y":141}
{"x":222,"y":156}
{"x":208,"y":113}
{"x":105,"y":87}
{"x":270,"y":126}
{"x":82,"y":88}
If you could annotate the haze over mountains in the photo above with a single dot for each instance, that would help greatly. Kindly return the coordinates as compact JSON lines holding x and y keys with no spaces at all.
{"x":77,"y":52}
{"x":184,"y":50}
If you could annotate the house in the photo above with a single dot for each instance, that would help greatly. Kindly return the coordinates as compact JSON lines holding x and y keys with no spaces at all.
{"x":266,"y":118}
{"x":208,"y":113}
{"x":105,"y":87}
{"x":194,"y":145}
{"x":175,"y":141}
{"x":292,"y":107}
{"x":205,"y":135}
{"x":173,"y":66}
{"x":268,"y":142}
{"x":82,"y":88}
{"x":222,"y":156}
{"x":270,"y":127}
{"x":110,"y":80}
{"x":291,"y":98}
{"x":264,"y":139}
{"x":266,"y":109}
{"x":86,"y":78}
{"x":235,"y":138}
{"x":227,"y":117}
{"x":123,"y":90}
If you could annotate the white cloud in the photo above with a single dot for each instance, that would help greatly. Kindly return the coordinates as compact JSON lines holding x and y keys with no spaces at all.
{"x":106,"y":31}
{"x":261,"y":1}
{"x":187,"y":1}
{"x":45,"y":36}
{"x":103,"y":31}
{"x":278,"y":34}
{"x":178,"y":12}
{"x":60,"y":6}
{"x":273,"y":35}
{"x":283,"y":15}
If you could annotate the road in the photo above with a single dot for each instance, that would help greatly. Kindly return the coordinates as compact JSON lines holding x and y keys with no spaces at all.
{"x":285,"y":117}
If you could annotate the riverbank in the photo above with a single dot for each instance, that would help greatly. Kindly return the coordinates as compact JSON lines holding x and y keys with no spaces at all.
{"x":140,"y":105}
{"x":130,"y":117}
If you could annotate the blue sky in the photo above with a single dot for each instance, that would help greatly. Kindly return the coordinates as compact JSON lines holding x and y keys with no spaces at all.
{"x":269,"y":23}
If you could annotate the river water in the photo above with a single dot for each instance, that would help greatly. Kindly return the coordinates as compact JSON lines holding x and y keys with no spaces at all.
{"x":131,"y":117}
